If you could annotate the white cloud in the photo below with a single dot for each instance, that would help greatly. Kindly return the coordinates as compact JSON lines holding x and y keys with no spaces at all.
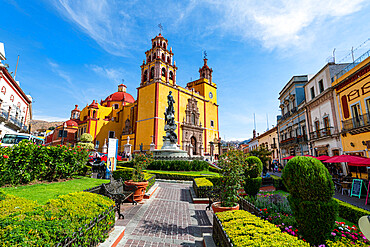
{"x":115,"y":75}
{"x":282,"y":23}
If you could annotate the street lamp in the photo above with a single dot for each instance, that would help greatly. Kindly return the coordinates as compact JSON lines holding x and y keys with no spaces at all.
{"x":64,"y":126}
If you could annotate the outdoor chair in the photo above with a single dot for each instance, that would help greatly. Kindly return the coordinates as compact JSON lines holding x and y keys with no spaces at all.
{"x":346,"y":187}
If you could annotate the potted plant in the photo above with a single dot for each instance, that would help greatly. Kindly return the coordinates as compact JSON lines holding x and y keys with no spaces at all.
{"x":141,"y":161}
{"x":232,"y":164}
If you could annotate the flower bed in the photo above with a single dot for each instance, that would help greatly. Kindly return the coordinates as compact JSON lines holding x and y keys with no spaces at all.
{"x":201,"y":187}
{"x":26,"y":162}
{"x":275,"y":209}
{"x":79,"y":219}
{"x":241,"y":228}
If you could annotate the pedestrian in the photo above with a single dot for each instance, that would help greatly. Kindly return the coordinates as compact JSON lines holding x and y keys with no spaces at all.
{"x":96,"y":156}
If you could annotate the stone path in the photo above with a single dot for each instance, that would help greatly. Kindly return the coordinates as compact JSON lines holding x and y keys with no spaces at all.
{"x":169,"y":218}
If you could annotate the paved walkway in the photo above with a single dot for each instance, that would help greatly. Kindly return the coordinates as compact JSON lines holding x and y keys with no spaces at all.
{"x":169,"y":218}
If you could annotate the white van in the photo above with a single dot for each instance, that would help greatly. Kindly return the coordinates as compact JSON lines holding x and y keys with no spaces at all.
{"x":13,"y":139}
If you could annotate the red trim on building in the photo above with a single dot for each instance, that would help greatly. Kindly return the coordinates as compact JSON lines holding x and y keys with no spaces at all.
{"x":155,"y":131}
{"x":96,"y":127}
{"x":178,"y":116}
{"x":25,"y":116}
{"x":205,"y":128}
{"x":15,"y":84}
{"x":88,"y":126}
{"x":218,"y":126}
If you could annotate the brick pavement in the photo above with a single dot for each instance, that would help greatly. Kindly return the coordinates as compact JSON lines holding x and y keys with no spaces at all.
{"x":169,"y":218}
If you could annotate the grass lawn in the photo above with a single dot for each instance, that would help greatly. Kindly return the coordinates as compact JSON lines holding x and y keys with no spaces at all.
{"x":43,"y":192}
{"x":187,"y":172}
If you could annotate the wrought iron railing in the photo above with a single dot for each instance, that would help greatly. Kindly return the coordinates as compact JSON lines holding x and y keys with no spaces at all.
{"x":325,"y":132}
{"x":352,"y":65}
{"x":298,"y":139}
{"x":356,"y":122}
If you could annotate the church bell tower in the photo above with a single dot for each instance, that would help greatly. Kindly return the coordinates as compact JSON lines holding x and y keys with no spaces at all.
{"x":158,"y":65}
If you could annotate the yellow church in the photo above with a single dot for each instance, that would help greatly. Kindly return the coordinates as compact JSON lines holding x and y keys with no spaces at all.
{"x":142,"y":121}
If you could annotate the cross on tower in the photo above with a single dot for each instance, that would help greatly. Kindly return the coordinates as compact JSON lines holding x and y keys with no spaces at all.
{"x":205,"y":54}
{"x":160,"y":27}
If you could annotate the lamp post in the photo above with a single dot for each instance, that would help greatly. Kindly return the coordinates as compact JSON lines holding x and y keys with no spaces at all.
{"x":64,"y":126}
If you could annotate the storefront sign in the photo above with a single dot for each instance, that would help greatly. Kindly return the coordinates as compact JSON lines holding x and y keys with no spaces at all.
{"x":112,"y":154}
{"x":356,"y":187}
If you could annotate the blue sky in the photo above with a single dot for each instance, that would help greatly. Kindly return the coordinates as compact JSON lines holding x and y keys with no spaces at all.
{"x":72,"y":52}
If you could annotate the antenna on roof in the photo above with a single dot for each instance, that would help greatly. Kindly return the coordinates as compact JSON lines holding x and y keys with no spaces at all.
{"x":267,"y":117}
{"x":16,"y":67}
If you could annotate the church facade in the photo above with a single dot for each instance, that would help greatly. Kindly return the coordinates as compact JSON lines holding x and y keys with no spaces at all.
{"x":142,"y":121}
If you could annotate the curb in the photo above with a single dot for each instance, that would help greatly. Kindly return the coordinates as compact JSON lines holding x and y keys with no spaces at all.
{"x":114,"y":237}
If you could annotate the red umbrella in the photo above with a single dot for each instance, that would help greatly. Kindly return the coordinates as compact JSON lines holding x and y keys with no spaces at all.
{"x":288,"y":158}
{"x":324,"y":157}
{"x":346,"y":158}
{"x":307,"y":155}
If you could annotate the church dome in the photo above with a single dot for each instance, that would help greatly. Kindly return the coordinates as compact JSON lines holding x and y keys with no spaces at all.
{"x":71,"y":123}
{"x":121,"y":95}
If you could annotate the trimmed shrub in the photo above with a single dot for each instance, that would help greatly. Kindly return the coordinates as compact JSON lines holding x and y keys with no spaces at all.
{"x":278,"y":183}
{"x":253,"y":168}
{"x":308,"y":179}
{"x":26,"y":162}
{"x":24,"y":223}
{"x":201,"y":187}
{"x":252,"y":175}
{"x":252,"y":186}
{"x":350,"y":212}
{"x":245,"y":229}
{"x":203,"y":182}
{"x":311,"y":189}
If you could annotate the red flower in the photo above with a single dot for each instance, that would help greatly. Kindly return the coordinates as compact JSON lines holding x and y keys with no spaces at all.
{"x":5,"y":156}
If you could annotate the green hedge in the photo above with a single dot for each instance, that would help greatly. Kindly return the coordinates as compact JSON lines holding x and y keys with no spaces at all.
{"x":25,"y":223}
{"x":246,"y":229}
{"x":350,"y":212}
{"x":26,"y":162}
{"x":177,"y":176}
{"x":278,"y":183}
{"x":178,"y":165}
{"x":201,"y":187}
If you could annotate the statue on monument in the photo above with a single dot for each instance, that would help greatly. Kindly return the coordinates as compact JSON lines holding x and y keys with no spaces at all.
{"x":170,"y":125}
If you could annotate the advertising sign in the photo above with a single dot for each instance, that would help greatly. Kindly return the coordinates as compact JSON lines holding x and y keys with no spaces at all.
{"x":112,"y":154}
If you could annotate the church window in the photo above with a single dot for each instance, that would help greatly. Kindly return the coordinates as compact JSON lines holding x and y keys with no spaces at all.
{"x":164,"y":45}
{"x":171,"y":75}
{"x":149,"y":58}
{"x":168,"y":59}
{"x":154,"y":44}
{"x":111,"y":134}
{"x":212,"y":123}
{"x":154,"y":56}
{"x":152,"y":73}
{"x":163,"y":72}
{"x":116,"y":106}
{"x":203,"y":75}
{"x":145,"y":77}
{"x":163,"y":57}
{"x":193,"y":118}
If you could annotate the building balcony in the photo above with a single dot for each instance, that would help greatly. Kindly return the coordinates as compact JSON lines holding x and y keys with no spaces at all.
{"x":293,"y":140}
{"x":357,"y":125}
{"x":12,"y":122}
{"x":322,"y":133}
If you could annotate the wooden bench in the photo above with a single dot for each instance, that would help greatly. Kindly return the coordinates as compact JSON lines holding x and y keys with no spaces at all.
{"x":213,"y":196}
{"x":119,"y":192}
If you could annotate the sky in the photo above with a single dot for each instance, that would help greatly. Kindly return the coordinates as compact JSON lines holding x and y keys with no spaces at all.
{"x":73,"y":52}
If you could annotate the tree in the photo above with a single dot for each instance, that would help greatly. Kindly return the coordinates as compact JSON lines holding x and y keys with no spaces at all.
{"x":86,"y":141}
{"x":262,"y":153}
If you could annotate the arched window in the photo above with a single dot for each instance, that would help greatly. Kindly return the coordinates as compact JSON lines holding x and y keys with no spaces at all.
{"x":163,"y":57}
{"x":163,"y":72}
{"x":193,"y":118}
{"x":168,"y":59}
{"x":154,"y":56}
{"x":154,"y":44}
{"x":171,"y":75}
{"x":164,"y":45}
{"x":149,"y":59}
{"x":151,"y":73}
{"x":203,"y":75}
{"x":145,"y":76}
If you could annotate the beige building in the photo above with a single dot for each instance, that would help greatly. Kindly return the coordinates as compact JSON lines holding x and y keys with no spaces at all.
{"x":269,"y":139}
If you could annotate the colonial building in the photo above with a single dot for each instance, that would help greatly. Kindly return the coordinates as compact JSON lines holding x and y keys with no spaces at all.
{"x":269,"y":140}
{"x":352,"y":87}
{"x":15,"y":105}
{"x":291,"y":124}
{"x":322,"y":112}
{"x":142,"y":120}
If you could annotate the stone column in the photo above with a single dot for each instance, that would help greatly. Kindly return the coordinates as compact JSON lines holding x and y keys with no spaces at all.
{"x":152,"y":147}
{"x":190,"y":150}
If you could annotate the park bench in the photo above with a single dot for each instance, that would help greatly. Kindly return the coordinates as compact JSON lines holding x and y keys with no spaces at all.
{"x":119,"y":192}
{"x":213,"y":196}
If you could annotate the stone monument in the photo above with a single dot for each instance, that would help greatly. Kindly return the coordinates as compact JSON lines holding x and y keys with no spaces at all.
{"x":170,"y":150}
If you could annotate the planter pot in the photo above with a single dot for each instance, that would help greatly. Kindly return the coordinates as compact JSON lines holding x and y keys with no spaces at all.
{"x":216,"y":206}
{"x":141,"y":187}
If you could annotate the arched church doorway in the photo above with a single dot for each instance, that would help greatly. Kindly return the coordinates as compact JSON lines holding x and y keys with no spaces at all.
{"x":194,"y":144}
